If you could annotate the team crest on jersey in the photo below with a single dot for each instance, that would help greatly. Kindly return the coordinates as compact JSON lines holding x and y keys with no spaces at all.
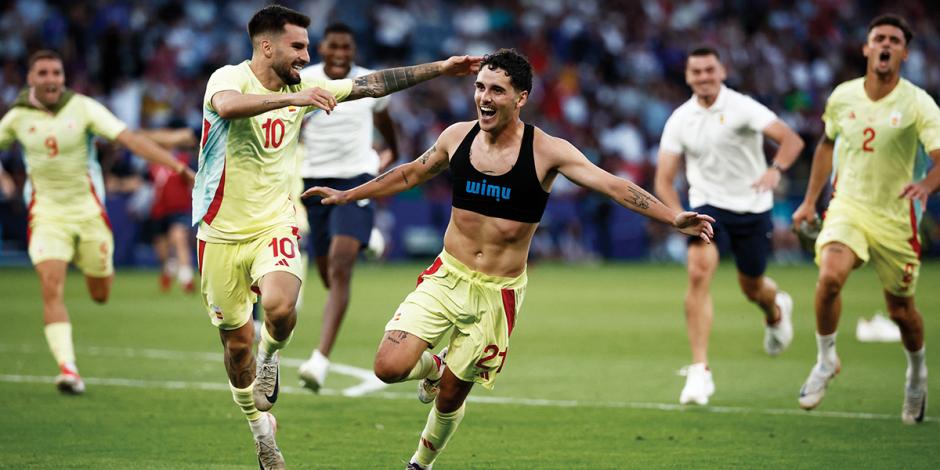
{"x":291,"y":109}
{"x":851,"y":114}
{"x":894,"y":120}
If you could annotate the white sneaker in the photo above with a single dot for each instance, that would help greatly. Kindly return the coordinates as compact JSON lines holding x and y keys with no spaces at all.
{"x":427,"y":388}
{"x":778,"y":337}
{"x":269,"y":455}
{"x":69,"y":382}
{"x":413,"y":465}
{"x":313,"y":371}
{"x":915,"y":401}
{"x":814,"y":389}
{"x":376,"y":247}
{"x":698,"y":385}
{"x":267,"y":383}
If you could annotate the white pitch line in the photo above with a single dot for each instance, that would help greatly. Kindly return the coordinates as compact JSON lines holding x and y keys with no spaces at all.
{"x":537,"y":402}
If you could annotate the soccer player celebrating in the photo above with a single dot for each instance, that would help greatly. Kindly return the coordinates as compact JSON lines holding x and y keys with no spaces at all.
{"x":67,"y":220}
{"x":874,"y":125}
{"x":721,"y":133}
{"x":338,"y":153}
{"x":241,"y":201}
{"x":503,"y":170}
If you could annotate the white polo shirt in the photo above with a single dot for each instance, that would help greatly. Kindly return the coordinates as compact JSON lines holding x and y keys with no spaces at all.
{"x":724,"y":150}
{"x":339,"y":144}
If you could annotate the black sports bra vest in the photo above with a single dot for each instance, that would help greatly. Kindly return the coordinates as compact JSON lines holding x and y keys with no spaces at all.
{"x":515,"y":195}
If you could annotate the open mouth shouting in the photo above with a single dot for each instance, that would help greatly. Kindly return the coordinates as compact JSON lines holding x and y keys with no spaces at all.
{"x":884,"y":59}
{"x":487,"y":113}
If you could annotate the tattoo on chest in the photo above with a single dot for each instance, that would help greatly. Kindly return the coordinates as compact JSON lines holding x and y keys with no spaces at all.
{"x":638,"y":199}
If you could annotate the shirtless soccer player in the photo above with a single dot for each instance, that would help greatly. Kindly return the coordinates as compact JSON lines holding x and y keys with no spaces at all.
{"x":503,"y":171}
{"x":241,"y":201}
{"x":67,"y":221}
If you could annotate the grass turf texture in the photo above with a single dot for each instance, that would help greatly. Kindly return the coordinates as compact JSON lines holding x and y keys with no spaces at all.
{"x":600,"y":344}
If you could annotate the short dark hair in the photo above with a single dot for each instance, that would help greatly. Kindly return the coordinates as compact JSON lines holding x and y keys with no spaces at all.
{"x":43,"y":54}
{"x":897,"y":22}
{"x":272,"y":18}
{"x":703,"y":51}
{"x":515,"y":65}
{"x":340,"y":28}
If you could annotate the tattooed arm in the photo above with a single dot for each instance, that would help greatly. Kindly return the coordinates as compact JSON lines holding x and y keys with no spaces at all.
{"x":571,"y":163}
{"x":402,"y":177}
{"x":389,"y":81}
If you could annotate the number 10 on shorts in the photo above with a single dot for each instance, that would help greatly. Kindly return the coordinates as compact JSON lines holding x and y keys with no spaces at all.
{"x":489,"y":353}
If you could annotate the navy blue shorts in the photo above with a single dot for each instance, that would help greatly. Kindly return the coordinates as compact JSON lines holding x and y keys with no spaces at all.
{"x":354,"y":219}
{"x":746,"y":235}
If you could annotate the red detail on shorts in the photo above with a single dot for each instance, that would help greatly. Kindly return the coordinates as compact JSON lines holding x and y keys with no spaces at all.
{"x":205,"y":131}
{"x":485,"y":375}
{"x":914,"y":240}
{"x":509,"y":305}
{"x":295,"y":232}
{"x":437,"y":360}
{"x":216,"y":200}
{"x":431,"y":270}
{"x":29,"y":217}
{"x":202,"y":251}
{"x":256,"y":290}
{"x":104,"y":213}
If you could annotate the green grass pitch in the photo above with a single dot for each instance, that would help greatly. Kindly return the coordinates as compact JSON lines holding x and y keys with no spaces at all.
{"x":590,"y":382}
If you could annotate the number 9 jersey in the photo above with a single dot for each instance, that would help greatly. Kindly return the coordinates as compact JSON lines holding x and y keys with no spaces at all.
{"x":246,"y":165}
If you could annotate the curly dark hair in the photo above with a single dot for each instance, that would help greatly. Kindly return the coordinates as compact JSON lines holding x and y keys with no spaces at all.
{"x":515,"y":65}
{"x":272,"y":18}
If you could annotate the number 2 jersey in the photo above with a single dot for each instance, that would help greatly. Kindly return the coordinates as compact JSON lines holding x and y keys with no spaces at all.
{"x":58,"y":146}
{"x":877,"y":145}
{"x":247,"y":165}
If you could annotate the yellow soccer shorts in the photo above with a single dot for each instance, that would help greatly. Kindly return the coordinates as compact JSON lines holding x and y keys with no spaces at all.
{"x":88,"y":243}
{"x":478,"y":310}
{"x":230,"y":273}
{"x":892,"y":246}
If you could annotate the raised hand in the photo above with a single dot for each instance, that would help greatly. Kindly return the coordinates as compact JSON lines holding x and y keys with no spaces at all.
{"x":461,"y":65}
{"x":315,"y":96}
{"x":330,"y":196}
{"x":695,"y":224}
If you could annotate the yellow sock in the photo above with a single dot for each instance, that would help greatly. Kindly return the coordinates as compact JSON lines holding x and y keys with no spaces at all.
{"x":59,"y":337}
{"x":426,"y":367}
{"x":268,"y":345}
{"x":245,"y":401}
{"x":440,"y":427}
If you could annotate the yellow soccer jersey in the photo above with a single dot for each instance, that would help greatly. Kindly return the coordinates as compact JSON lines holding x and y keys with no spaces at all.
{"x":877,"y":143}
{"x":60,"y":153}
{"x":246,"y":165}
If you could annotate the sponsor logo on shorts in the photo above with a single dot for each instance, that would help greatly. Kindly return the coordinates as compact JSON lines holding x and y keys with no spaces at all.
{"x":217,"y":311}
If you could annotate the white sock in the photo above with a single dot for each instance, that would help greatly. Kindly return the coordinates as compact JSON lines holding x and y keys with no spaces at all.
{"x":917,"y":366}
{"x":826,"y":350}
{"x":428,"y":367}
{"x":185,"y":274}
{"x":260,"y":426}
{"x":171,"y":267}
{"x":320,"y":365}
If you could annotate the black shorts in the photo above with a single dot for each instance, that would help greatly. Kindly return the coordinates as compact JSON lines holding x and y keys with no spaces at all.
{"x":354,"y":219}
{"x":746,"y":235}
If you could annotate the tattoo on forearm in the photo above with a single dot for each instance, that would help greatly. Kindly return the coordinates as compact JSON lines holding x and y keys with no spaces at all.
{"x":427,"y":155}
{"x":388,"y":81}
{"x":404,"y":177}
{"x":638,"y":199}
{"x":383,"y":175}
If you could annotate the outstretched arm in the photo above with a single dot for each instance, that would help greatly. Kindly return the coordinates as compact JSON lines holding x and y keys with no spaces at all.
{"x":388,"y":81}
{"x":396,"y":180}
{"x":576,"y":167}
{"x":152,"y":152}
{"x":230,"y":104}
{"x":818,"y":176}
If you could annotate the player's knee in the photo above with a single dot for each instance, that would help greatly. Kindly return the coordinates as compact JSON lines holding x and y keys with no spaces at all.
{"x":751,"y":291}
{"x":829,"y":284}
{"x":389,"y":371}
{"x":699,"y":275}
{"x":277,"y":308}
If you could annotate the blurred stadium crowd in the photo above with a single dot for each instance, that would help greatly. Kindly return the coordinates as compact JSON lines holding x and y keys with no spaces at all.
{"x":609,"y":73}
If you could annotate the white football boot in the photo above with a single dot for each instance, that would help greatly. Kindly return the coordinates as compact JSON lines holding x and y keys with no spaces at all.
{"x":427,"y":388}
{"x":69,"y":382}
{"x":267,"y":382}
{"x":814,"y":389}
{"x":698,"y":385}
{"x":777,"y":337}
{"x":269,"y":455}
{"x":915,"y":400}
